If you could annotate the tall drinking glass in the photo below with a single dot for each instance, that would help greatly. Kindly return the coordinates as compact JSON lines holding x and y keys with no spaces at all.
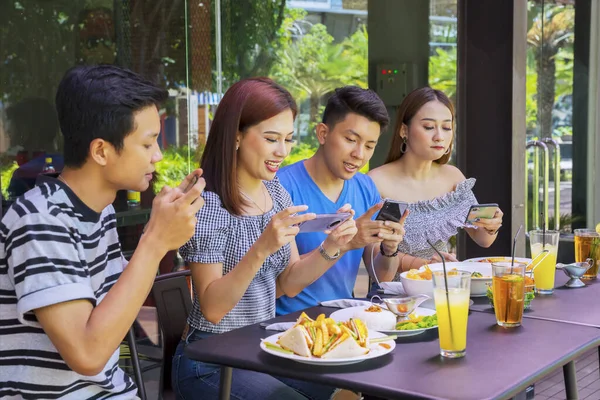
{"x":451,"y":296}
{"x":587,"y":247}
{"x":508,"y":287}
{"x":544,"y":269}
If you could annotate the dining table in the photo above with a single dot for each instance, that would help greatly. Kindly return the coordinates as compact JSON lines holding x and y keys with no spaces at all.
{"x":499,"y":362}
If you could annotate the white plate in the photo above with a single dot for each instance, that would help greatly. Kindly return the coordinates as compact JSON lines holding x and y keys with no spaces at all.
{"x":506,"y":259}
{"x":346,"y":313}
{"x":376,"y":351}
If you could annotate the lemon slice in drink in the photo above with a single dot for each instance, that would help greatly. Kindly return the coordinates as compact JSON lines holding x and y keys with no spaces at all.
{"x":598,"y":228}
{"x":512,"y":278}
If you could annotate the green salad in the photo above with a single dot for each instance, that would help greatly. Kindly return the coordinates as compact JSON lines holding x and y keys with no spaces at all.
{"x":428,"y":321}
{"x":529,"y":296}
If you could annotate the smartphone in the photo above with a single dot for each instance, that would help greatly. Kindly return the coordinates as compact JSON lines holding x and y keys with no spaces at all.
{"x":392,"y":210}
{"x":323,"y":222}
{"x":191,"y":185}
{"x":481,"y":211}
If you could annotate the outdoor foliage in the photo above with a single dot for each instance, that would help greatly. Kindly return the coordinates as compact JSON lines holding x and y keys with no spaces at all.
{"x":442,"y":72}
{"x":174,"y":166}
{"x":551,"y":33}
{"x":310,"y":65}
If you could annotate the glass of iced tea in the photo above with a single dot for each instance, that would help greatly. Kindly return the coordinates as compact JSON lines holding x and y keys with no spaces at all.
{"x":508,"y":287}
{"x":451,"y":294}
{"x":587,"y":247}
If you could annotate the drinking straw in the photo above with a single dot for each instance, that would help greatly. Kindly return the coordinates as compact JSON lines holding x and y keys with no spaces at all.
{"x":544,"y":231}
{"x":446,"y":284}
{"x":512,"y":263}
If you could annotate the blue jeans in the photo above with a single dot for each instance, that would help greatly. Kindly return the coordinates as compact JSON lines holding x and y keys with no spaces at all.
{"x":197,"y":380}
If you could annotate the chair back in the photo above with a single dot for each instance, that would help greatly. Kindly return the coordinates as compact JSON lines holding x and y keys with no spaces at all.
{"x":173,"y":305}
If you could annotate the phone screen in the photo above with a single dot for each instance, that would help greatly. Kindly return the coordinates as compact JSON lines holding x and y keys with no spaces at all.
{"x":392,"y":210}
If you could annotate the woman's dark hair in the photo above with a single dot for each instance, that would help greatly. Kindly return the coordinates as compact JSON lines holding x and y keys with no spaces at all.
{"x":99,"y":102}
{"x":356,"y":100}
{"x":408,"y":109}
{"x":246,"y":103}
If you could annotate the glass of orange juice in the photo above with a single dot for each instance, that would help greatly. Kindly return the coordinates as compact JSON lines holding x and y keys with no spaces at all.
{"x":451,"y":295}
{"x":544,"y":267}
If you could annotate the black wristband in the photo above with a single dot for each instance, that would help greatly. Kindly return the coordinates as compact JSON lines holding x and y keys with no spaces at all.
{"x":383,"y":252}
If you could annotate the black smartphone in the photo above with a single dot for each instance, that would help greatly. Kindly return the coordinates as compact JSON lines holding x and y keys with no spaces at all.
{"x":191,"y":185}
{"x":392,"y":210}
{"x":481,"y":211}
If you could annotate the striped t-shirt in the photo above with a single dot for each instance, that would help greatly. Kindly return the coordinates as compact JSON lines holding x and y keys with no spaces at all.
{"x":53,"y":248}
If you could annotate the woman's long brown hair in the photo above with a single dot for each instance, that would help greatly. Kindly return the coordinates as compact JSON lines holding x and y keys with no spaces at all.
{"x":246,"y":103}
{"x":408,"y":109}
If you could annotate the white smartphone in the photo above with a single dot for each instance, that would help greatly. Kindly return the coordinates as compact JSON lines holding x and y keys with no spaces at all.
{"x":323,"y":222}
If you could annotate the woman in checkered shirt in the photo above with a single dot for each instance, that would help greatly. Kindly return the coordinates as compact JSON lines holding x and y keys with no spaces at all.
{"x":243,"y":251}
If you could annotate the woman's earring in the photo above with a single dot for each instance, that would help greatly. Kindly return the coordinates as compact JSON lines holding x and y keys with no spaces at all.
{"x":237,"y":147}
{"x":447,"y":151}
{"x":404,"y":145}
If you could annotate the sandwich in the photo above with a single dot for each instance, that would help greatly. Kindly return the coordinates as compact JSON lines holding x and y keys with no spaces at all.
{"x":326,"y":338}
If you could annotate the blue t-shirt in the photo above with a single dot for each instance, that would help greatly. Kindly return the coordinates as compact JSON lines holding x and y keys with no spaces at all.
{"x":338,"y":282}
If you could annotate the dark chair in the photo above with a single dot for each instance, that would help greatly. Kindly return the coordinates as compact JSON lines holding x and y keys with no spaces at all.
{"x":173,"y":300}
{"x":173,"y":305}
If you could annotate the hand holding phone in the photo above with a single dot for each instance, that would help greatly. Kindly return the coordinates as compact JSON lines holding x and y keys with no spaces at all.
{"x":324,"y":222}
{"x":481,"y":211}
{"x":391,"y":210}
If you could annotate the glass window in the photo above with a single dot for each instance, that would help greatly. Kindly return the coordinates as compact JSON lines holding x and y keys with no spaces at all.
{"x":550,"y":37}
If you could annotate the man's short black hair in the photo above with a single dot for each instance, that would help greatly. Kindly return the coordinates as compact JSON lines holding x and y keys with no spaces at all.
{"x":99,"y":101}
{"x":353,"y":99}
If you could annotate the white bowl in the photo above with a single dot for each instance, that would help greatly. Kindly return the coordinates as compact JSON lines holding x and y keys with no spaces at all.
{"x":478,"y":285}
{"x":414,"y":287}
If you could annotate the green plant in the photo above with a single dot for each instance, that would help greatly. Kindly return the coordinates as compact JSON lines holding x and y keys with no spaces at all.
{"x":174,"y":166}
{"x":6,"y":173}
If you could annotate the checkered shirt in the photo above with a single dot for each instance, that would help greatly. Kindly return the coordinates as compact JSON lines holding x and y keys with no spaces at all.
{"x":223,"y":238}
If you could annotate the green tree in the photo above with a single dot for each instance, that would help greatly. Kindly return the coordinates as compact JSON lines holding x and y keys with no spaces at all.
{"x":442,"y":71}
{"x":551,"y":31}
{"x":251,"y":32}
{"x":310,"y":65}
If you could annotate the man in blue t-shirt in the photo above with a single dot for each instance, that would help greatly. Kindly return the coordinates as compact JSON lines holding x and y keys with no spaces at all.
{"x":352,"y":123}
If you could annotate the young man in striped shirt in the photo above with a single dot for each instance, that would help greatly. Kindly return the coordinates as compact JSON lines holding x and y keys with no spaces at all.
{"x":67,"y":296}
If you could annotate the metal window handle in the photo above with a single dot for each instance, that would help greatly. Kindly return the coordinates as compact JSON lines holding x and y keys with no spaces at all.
{"x":536,"y":144}
{"x":556,"y":161}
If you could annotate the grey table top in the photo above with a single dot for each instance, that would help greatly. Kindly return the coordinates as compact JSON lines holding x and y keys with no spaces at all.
{"x":578,"y":306}
{"x":499,"y":364}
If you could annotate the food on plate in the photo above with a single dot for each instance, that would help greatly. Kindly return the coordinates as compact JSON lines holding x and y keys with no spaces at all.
{"x":326,"y":338}
{"x":417,"y":322}
{"x":376,"y":318}
{"x":490,"y":260}
{"x":425,"y":275}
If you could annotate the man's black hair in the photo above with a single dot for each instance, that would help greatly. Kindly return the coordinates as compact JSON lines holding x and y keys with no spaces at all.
{"x":99,"y":101}
{"x":353,"y":99}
